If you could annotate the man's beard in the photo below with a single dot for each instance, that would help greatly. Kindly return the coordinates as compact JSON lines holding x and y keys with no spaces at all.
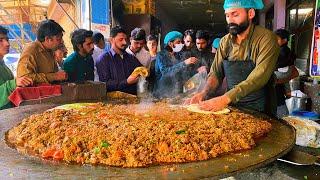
{"x":91,"y":52}
{"x":235,"y":29}
{"x":122,"y":48}
{"x":201,"y":49}
{"x":137,"y":50}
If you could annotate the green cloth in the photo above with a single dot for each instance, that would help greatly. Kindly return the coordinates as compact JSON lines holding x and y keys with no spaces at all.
{"x":264,"y":53}
{"x":79,"y":68}
{"x":7,"y":85}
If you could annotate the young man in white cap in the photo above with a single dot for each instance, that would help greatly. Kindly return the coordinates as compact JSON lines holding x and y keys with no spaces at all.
{"x":247,"y":57}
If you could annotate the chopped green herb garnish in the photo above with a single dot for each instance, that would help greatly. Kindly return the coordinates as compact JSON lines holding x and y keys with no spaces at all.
{"x":181,"y":132}
{"x":104,"y":144}
{"x":96,"y":150}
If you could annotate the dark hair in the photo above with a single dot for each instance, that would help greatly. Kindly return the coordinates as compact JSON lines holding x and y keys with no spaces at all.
{"x":115,"y":30}
{"x":97,"y":37}
{"x":255,"y":19}
{"x":191,"y":33}
{"x":168,"y":48}
{"x":201,"y":34}
{"x":138,"y":34}
{"x":3,"y":30}
{"x":48,"y":28}
{"x":152,"y":37}
{"x":79,"y":37}
{"x":282,"y":33}
{"x":61,"y":46}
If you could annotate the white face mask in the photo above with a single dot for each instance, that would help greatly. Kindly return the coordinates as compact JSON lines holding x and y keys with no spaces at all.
{"x":178,"y":47}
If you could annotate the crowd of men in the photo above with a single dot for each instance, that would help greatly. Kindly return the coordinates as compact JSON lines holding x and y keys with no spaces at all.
{"x":245,"y":61}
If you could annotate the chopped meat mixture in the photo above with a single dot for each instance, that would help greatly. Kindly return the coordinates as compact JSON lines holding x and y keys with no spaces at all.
{"x":135,"y":135}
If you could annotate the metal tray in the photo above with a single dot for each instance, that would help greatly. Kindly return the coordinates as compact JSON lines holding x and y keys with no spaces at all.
{"x":14,"y":165}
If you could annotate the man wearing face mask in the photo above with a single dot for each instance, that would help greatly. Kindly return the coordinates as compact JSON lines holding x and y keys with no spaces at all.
{"x":247,"y":57}
{"x":170,"y":68}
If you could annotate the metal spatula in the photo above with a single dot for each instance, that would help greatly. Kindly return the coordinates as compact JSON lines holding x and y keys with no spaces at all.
{"x":300,"y":158}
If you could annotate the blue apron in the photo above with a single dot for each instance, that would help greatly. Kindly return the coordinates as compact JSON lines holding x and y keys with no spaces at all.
{"x":237,"y":71}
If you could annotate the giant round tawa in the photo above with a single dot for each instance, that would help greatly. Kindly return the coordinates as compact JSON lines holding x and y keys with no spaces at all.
{"x":13,"y":164}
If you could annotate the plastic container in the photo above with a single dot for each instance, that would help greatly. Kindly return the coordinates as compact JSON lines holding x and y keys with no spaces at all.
{"x":296,"y":104}
{"x":306,"y":114}
{"x":294,"y":84}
